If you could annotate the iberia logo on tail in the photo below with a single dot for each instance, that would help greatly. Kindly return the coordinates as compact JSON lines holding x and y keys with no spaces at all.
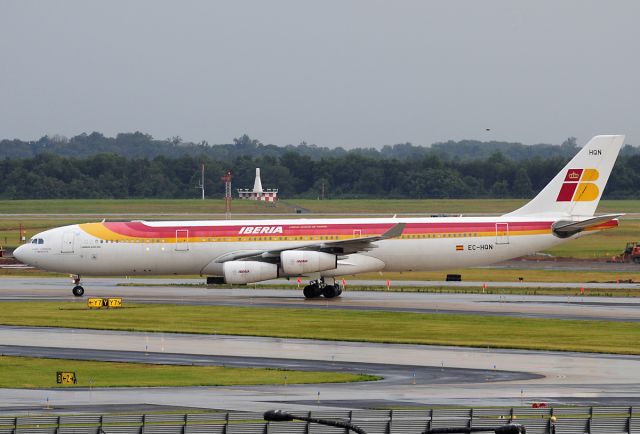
{"x":577,"y":186}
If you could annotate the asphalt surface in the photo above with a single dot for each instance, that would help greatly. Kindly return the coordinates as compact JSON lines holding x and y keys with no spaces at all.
{"x":390,"y":373}
{"x":162,"y":291}
{"x":444,"y":375}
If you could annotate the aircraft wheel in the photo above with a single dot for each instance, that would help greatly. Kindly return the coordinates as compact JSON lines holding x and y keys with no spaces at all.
{"x":330,"y":291}
{"x":309,"y":291}
{"x":78,"y":291}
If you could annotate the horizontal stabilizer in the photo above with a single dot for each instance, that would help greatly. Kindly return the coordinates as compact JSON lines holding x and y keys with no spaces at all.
{"x":565,"y":228}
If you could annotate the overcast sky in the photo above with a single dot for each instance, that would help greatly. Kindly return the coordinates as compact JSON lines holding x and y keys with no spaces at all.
{"x":333,"y":73}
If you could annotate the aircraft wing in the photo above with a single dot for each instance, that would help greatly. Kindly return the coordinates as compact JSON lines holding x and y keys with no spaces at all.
{"x":337,"y":247}
{"x":568,"y":228}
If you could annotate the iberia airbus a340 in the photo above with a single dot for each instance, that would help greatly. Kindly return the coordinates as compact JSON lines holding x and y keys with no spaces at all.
{"x":239,"y":252}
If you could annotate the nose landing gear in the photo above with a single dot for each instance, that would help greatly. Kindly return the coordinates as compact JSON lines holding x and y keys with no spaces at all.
{"x":77,"y":290}
{"x":316,"y":288}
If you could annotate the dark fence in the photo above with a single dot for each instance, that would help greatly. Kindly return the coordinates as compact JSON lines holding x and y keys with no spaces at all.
{"x":567,"y":420}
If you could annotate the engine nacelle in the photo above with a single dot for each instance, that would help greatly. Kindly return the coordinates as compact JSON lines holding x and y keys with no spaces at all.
{"x":296,"y":262}
{"x":238,"y":272}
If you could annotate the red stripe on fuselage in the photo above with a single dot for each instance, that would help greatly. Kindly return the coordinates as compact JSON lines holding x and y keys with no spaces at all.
{"x":141,"y":230}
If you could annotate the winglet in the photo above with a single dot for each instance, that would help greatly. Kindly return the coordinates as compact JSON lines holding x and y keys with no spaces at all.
{"x":394,"y":231}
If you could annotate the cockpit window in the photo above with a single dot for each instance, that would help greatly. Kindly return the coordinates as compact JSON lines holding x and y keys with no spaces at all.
{"x":40,"y":241}
{"x":37,"y":241}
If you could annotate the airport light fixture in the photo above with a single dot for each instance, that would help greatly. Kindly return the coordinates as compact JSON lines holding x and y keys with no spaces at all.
{"x":283,"y":416}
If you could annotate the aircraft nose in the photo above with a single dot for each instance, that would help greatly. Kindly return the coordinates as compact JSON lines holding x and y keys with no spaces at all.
{"x":21,"y":254}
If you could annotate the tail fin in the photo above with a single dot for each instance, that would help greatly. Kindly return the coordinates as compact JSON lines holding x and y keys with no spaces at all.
{"x":577,"y":189}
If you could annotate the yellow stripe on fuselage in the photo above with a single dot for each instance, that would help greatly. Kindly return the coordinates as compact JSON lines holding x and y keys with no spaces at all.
{"x":100,"y":231}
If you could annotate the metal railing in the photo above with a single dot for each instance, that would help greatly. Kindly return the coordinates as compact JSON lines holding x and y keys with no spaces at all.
{"x":568,"y":420}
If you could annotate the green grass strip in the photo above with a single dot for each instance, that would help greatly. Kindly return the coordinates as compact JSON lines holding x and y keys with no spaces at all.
{"x":366,"y":326}
{"x":29,"y":372}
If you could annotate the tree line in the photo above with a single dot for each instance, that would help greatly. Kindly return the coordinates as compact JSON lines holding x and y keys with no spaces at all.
{"x":296,"y":175}
{"x":139,"y":145}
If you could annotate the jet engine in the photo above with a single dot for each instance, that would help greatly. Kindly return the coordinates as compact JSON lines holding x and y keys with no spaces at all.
{"x":296,"y":262}
{"x":239,"y":272}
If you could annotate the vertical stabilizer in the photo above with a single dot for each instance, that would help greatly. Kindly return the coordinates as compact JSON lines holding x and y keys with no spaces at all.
{"x":577,"y":189}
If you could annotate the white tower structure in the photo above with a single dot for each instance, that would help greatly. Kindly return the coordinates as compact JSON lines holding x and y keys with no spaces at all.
{"x":257,"y":184}
{"x":258,"y":193}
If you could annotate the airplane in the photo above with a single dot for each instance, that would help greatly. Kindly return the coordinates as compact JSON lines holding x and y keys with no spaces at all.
{"x":248,"y":251}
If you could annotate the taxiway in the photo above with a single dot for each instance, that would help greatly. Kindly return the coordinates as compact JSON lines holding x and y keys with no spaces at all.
{"x":468,"y":376}
{"x":166,"y":291}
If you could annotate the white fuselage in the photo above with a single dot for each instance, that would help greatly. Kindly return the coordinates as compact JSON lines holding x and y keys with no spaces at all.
{"x":196,"y":247}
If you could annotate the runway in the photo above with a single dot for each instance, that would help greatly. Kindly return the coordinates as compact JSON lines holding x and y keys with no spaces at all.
{"x":502,"y":377}
{"x":561,"y":307}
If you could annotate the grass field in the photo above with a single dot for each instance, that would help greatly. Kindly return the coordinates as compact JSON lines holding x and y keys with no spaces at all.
{"x":135,"y":206}
{"x":437,"y":206}
{"x":340,"y":206}
{"x":370,"y":326}
{"x":28,"y":372}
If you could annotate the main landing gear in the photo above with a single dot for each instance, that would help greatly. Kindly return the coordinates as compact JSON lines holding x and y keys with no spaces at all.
{"x":316,"y":288}
{"x":77,"y":290}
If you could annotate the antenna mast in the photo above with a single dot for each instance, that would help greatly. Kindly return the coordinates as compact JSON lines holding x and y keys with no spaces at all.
{"x":227,"y":193}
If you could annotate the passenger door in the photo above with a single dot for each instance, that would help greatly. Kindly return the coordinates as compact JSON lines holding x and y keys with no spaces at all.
{"x":68,"y":239}
{"x":502,"y":233}
{"x":182,"y":240}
